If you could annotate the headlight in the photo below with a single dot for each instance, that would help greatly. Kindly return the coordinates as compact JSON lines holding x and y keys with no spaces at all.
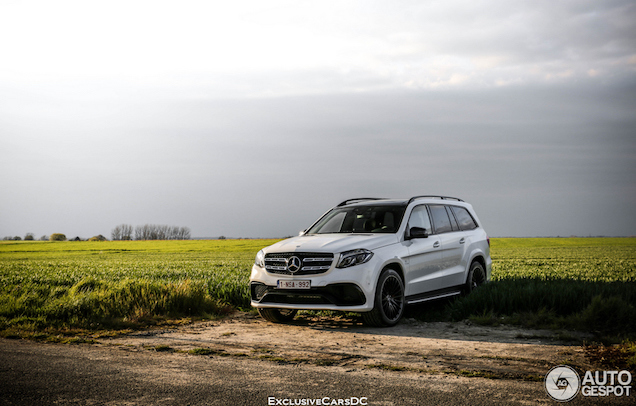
{"x":260,"y":259}
{"x":354,"y":257}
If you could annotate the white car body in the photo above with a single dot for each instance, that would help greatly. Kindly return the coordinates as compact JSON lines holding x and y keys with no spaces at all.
{"x":432,"y":266}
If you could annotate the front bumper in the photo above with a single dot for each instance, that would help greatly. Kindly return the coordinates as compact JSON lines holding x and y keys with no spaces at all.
{"x":350,"y":290}
{"x":337,"y":294}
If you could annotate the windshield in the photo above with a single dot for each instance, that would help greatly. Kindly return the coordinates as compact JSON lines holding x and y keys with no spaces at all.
{"x":360,"y":219}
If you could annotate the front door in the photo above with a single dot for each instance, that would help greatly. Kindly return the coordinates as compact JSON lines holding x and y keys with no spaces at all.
{"x":425,"y":260}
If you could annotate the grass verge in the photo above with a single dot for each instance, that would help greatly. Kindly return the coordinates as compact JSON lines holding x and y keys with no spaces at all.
{"x":82,"y":288}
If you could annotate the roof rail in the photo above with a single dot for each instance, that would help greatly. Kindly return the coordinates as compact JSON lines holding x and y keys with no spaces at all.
{"x":358,"y":199}
{"x":435,"y":197}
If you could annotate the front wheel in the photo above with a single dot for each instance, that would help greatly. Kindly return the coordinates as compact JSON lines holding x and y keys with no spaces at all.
{"x":389,"y":301}
{"x":277,"y":315}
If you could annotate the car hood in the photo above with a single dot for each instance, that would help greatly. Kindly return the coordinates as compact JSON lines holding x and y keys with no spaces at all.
{"x":332,"y":242}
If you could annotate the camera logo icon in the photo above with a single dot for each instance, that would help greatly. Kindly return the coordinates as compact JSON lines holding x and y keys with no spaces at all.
{"x":562,"y":383}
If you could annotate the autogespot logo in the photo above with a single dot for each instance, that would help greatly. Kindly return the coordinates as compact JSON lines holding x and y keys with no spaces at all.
{"x":562,"y":383}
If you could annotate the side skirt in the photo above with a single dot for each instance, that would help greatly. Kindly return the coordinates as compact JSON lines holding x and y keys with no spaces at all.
{"x":436,"y":294}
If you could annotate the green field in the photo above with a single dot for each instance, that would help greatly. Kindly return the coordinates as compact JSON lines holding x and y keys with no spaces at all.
{"x":92,"y":285}
{"x":580,"y":283}
{"x":584,"y":284}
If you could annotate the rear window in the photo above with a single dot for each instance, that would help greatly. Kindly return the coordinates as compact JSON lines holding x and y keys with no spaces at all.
{"x":465,"y":220}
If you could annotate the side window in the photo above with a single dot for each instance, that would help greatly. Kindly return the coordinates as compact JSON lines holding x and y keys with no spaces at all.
{"x":419,"y":218}
{"x":334,"y":224}
{"x":465,"y":220}
{"x":440,"y":219}
{"x":452,"y":219}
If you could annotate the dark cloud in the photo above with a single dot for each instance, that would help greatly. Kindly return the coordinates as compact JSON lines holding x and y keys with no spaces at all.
{"x":534,"y":161}
{"x":255,"y":123}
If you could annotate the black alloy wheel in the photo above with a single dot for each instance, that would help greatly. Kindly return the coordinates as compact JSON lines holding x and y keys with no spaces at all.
{"x":392,"y":297}
{"x":476,"y":277}
{"x":389,"y":301}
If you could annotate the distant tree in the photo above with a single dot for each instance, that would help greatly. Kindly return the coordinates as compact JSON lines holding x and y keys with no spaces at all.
{"x":126,"y":232}
{"x":29,"y":237}
{"x":183,"y":234}
{"x":115,"y":233}
{"x":97,"y":238}
{"x":44,"y":238}
{"x":161,"y":232}
{"x":57,"y":237}
{"x":222,"y":237}
{"x":142,"y":233}
{"x":122,"y":232}
{"x":17,"y":238}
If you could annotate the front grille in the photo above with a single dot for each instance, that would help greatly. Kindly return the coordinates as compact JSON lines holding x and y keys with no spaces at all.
{"x":296,"y":299}
{"x":311,"y":263}
{"x":339,"y":294}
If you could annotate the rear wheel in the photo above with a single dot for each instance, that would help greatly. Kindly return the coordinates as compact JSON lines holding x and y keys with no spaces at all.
{"x":389,"y":301}
{"x":476,"y":277}
{"x":277,"y":315}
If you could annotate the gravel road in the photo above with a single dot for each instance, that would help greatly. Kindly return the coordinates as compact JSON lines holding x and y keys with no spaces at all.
{"x":245,"y":361}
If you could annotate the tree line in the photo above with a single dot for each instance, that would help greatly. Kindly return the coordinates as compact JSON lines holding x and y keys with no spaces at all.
{"x":53,"y":237}
{"x":122,"y":232}
{"x":149,"y":232}
{"x":28,"y":237}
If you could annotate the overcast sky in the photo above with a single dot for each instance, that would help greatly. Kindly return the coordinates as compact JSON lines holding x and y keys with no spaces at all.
{"x":252,"y":118}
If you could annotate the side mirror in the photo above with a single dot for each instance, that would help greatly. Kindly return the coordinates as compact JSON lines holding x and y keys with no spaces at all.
{"x":417,"y":232}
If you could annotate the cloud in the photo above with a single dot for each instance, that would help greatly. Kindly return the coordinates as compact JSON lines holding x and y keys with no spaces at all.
{"x":252,"y":118}
{"x":250,"y":48}
{"x":267,"y":166}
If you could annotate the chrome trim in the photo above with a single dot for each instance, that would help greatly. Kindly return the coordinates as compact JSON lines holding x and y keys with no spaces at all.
{"x":275,"y":268}
{"x":315,"y":268}
{"x":426,"y":299}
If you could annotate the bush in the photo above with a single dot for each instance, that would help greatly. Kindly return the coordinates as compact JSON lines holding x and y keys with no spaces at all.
{"x":605,"y":308}
{"x":609,"y":315}
{"x":93,"y":302}
{"x":57,"y":237}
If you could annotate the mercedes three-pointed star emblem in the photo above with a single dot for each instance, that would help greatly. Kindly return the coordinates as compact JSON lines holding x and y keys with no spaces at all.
{"x":294,"y":264}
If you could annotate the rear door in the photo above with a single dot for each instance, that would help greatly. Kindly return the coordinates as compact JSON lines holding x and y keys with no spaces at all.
{"x":471,"y":236}
{"x":453,"y":242}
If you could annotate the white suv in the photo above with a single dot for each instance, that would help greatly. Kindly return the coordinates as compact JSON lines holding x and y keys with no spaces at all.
{"x":374,"y":256}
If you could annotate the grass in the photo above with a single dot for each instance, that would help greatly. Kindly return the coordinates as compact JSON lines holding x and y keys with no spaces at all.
{"x":586,"y":284}
{"x":616,"y":357}
{"x":59,"y":288}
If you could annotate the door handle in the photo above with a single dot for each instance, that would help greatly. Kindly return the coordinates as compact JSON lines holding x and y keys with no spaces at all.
{"x":463,"y":240}
{"x":436,"y":244}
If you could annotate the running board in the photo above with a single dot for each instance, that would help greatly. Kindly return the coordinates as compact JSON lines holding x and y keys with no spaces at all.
{"x":432,"y":296}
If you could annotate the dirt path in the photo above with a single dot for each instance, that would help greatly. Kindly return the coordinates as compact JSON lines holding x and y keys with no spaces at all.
{"x":244,"y":360}
{"x":433,"y":348}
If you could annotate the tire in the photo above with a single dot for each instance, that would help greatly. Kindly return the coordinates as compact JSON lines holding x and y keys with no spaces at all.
{"x":277,"y":315}
{"x":389,"y":301}
{"x":476,"y":277}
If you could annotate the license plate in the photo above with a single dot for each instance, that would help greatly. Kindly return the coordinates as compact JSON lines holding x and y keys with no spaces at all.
{"x":294,"y":284}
